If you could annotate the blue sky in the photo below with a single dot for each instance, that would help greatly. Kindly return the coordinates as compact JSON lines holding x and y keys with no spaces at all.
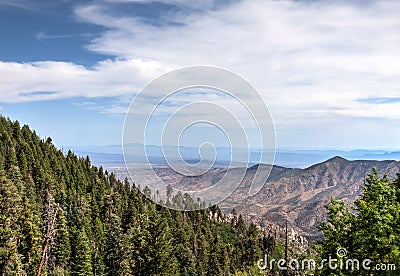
{"x":328,"y":70}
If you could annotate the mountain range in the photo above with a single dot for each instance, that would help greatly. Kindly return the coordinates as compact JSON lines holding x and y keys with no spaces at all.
{"x":298,"y":195}
{"x":300,"y":184}
{"x":112,"y":155}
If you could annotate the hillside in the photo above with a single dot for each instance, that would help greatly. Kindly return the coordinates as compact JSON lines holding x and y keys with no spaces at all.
{"x":59,"y":215}
{"x":301,"y":194}
{"x":296,"y":194}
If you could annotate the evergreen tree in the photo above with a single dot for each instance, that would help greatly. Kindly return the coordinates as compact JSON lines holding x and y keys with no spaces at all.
{"x":113,"y":247}
{"x":371,"y":231}
{"x":82,"y":258}
{"x":61,"y":252}
{"x":31,"y":236}
{"x":10,"y":232}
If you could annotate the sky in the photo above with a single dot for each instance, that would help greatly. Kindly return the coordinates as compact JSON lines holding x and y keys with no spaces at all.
{"x":329,"y":71}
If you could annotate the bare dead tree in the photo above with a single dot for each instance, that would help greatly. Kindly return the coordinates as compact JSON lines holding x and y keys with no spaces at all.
{"x":51,"y":211}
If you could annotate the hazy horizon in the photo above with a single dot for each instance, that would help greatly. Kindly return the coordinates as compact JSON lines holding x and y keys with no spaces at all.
{"x":113,"y":154}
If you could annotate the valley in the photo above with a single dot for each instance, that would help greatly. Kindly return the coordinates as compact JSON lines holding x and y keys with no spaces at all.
{"x":298,"y":195}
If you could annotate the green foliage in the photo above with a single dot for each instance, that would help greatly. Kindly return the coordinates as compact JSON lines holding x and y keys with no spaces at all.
{"x":10,"y":230}
{"x":103,"y":226}
{"x":370,"y":231}
{"x":62,"y":246}
{"x":81,"y":259}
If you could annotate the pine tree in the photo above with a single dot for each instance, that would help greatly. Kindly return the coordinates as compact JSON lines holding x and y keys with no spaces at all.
{"x":61,"y":252}
{"x":378,"y":217}
{"x":81,"y":257}
{"x":215,"y":261}
{"x":10,"y":235}
{"x":371,"y":231}
{"x":113,"y":249}
{"x":99,"y":236}
{"x":31,"y":236}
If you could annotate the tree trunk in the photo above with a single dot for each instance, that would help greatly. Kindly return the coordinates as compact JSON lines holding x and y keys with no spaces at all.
{"x":48,"y":237}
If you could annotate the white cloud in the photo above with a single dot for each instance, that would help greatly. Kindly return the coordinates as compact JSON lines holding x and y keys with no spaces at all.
{"x":311,"y":60}
{"x":341,"y":51}
{"x":25,"y":81}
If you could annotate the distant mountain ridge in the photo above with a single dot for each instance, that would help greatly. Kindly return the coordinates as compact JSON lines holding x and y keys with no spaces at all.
{"x":296,"y":194}
{"x":113,"y":155}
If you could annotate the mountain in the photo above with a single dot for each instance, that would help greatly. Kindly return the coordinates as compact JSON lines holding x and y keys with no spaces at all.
{"x":296,"y":194}
{"x":301,"y":194}
{"x":297,"y":189}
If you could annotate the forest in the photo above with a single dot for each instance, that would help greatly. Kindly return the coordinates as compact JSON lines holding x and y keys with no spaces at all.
{"x":59,"y":215}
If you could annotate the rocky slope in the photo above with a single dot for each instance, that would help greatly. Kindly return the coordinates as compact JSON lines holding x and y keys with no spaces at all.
{"x":298,"y":195}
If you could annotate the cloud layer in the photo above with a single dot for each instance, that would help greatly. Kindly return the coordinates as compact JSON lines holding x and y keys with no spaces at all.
{"x":311,"y":60}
